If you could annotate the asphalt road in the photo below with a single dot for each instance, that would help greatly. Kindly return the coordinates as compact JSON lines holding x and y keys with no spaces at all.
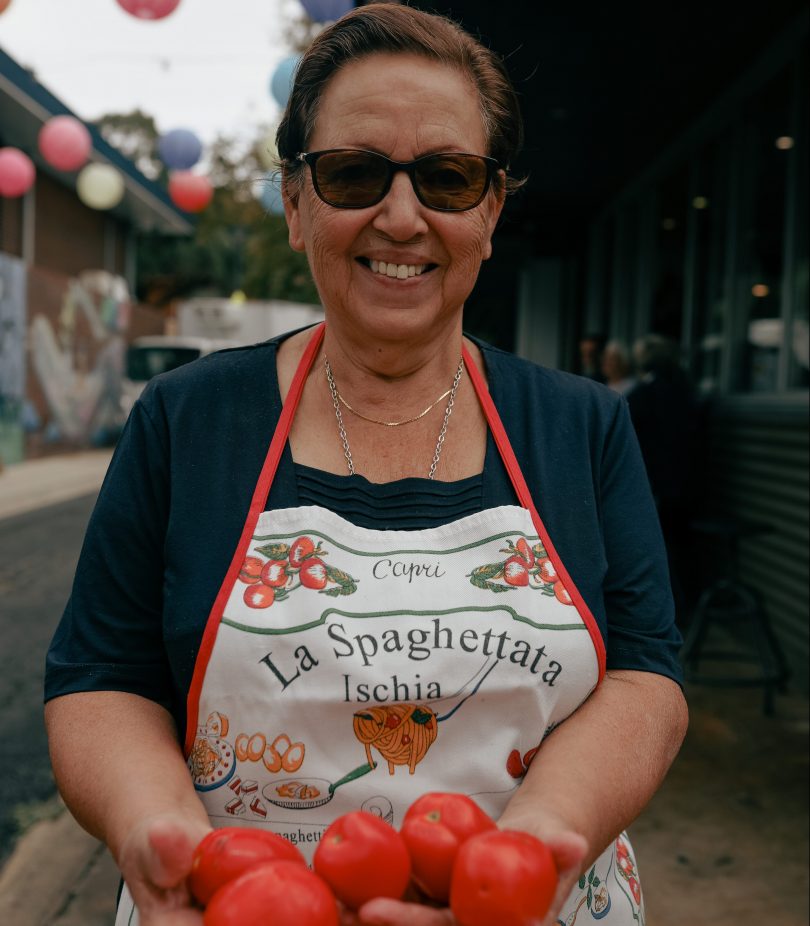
{"x":38,"y":554}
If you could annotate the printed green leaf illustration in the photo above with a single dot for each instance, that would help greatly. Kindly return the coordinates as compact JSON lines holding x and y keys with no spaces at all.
{"x":274,"y":550}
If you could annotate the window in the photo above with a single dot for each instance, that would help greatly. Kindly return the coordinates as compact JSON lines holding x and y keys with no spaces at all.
{"x":712,"y":300}
{"x":767,"y":147}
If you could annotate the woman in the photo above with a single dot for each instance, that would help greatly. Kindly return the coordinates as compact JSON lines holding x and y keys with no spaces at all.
{"x":372,"y":608}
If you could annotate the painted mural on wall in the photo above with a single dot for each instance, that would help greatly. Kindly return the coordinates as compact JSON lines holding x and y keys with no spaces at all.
{"x":77,"y":356}
{"x":12,"y":357}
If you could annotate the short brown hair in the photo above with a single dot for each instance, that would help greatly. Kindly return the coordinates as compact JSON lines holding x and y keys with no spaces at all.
{"x":391,"y":28}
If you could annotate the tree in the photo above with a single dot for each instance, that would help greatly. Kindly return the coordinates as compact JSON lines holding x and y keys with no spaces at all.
{"x":236,"y":244}
{"x":135,"y":135}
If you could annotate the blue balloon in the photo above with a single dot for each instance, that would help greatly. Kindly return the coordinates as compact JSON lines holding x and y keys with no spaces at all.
{"x":321,"y":11}
{"x":270,"y":196}
{"x":179,"y":149}
{"x":282,"y":80}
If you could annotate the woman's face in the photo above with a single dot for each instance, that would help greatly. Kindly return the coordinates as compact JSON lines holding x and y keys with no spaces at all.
{"x":403,"y":106}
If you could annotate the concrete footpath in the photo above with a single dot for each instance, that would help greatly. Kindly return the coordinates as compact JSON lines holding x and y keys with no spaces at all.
{"x":724,"y":842}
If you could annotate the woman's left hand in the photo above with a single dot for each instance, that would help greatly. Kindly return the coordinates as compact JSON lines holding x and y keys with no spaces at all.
{"x":568,"y":848}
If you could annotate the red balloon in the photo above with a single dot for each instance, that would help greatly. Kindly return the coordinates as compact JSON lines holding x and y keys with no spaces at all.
{"x":149,"y":9}
{"x":191,"y":192}
{"x":4,"y":5}
{"x":17,"y":172}
{"x":65,"y":142}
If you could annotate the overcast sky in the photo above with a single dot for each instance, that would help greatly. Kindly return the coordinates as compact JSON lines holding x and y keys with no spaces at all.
{"x":206,"y":67}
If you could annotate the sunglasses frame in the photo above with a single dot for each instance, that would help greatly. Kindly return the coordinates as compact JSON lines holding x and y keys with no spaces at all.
{"x":394,"y":167}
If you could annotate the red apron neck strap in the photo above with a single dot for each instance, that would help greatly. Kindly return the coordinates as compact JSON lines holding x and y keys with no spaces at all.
{"x":499,"y":433}
{"x":524,"y":496}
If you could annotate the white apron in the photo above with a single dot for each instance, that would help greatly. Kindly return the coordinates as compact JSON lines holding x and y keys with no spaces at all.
{"x":343,"y":668}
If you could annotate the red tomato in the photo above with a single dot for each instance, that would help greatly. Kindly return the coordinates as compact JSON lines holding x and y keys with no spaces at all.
{"x":251,"y":570}
{"x":313,"y":573}
{"x":504,"y":877}
{"x":547,"y":571}
{"x":274,"y":574}
{"x":259,"y":596}
{"x":515,"y":571}
{"x":561,"y":593}
{"x":299,"y":549}
{"x":360,"y":857}
{"x":434,"y":827}
{"x":275,"y":892}
{"x":525,"y":551}
{"x":227,"y":853}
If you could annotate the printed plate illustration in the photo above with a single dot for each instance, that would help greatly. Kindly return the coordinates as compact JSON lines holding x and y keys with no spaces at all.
{"x":403,"y":733}
{"x":212,"y":760}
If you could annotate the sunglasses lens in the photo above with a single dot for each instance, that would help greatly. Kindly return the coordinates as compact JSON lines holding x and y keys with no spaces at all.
{"x":351,"y":179}
{"x":356,"y":179}
{"x":452,"y":182}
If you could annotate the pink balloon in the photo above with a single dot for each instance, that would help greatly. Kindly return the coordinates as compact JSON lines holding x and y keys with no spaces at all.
{"x":17,"y":172}
{"x":65,"y":142}
{"x":190,"y":192}
{"x":149,"y":9}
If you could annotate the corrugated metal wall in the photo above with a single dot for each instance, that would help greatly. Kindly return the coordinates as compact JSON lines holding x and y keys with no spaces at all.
{"x":757,"y":468}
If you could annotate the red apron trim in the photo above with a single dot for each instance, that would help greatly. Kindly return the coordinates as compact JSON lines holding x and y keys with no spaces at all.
{"x":525,"y":498}
{"x":257,"y":506}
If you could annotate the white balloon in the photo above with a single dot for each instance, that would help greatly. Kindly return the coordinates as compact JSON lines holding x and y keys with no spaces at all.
{"x":100,"y":186}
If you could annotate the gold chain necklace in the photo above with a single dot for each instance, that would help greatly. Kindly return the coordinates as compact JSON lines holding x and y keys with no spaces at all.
{"x":337,"y":399}
{"x":390,"y":424}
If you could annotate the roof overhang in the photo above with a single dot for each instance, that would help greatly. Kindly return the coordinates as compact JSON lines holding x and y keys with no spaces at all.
{"x":25,"y":105}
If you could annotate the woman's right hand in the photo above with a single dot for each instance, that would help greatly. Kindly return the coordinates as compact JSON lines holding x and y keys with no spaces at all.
{"x":155,"y":859}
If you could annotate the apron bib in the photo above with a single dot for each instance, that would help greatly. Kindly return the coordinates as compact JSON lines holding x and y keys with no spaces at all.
{"x":344,"y":668}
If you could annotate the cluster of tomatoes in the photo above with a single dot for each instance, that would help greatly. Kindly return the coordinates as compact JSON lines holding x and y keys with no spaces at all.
{"x":527,"y":566}
{"x":447,"y":848}
{"x":266,"y":581}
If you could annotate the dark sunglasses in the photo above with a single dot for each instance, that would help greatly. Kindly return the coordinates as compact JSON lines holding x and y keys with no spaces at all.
{"x":349,"y":178}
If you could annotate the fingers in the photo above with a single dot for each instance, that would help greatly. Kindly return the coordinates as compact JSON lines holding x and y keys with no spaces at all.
{"x":384,"y":912}
{"x":172,"y":848}
{"x":569,"y":850}
{"x":155,"y":860}
{"x":173,"y":918}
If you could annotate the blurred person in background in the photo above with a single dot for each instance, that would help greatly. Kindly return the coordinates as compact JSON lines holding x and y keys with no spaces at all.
{"x":307,"y":553}
{"x":666,"y":418}
{"x":617,"y":368}
{"x":590,"y":356}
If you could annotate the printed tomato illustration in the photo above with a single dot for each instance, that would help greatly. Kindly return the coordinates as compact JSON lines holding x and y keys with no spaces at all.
{"x":561,"y":594}
{"x":259,"y":596}
{"x":547,"y":571}
{"x":360,"y":857}
{"x":279,"y":891}
{"x":518,"y":767}
{"x":525,"y":551}
{"x":527,"y":758}
{"x":227,"y":853}
{"x":299,"y":549}
{"x":274,"y":573}
{"x":251,"y":570}
{"x":504,"y":877}
{"x":313,"y":574}
{"x":515,"y":571}
{"x":514,"y":765}
{"x":635,"y":889}
{"x":434,"y":828}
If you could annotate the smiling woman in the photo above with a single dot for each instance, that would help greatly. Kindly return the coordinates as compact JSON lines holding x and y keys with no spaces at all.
{"x":377,"y":539}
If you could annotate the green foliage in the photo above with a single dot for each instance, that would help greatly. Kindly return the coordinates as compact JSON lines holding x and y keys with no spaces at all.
{"x":236,"y":244}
